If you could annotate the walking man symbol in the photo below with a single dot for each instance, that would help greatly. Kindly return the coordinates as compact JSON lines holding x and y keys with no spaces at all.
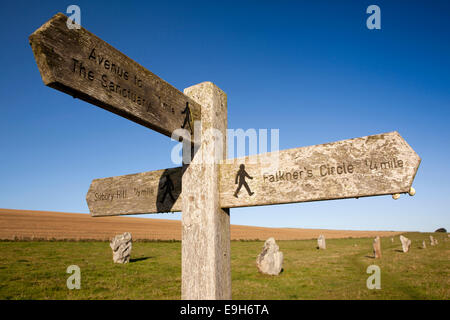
{"x":168,"y":187}
{"x":240,"y":177}
{"x":187,"y":119}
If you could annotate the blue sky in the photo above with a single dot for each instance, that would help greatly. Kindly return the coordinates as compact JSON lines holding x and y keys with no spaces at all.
{"x":311,"y":69}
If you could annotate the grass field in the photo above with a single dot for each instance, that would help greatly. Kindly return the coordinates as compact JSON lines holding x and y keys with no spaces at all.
{"x":37,"y":270}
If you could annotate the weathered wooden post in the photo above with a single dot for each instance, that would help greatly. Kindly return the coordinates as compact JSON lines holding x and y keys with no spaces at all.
{"x":79,"y":63}
{"x":206,"y":270}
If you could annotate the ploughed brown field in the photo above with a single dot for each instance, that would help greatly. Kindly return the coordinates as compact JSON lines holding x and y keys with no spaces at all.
{"x":27,"y":224}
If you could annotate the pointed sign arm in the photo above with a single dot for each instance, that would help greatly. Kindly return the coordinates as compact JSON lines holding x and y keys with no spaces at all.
{"x":382,"y":164}
{"x":82,"y":65}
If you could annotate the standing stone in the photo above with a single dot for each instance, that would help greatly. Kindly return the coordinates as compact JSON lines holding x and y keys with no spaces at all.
{"x":433,"y":241}
{"x":321,"y":242}
{"x":270,"y":260}
{"x":406,"y":243}
{"x":392,"y":240}
{"x":424,"y":245}
{"x":121,"y":247}
{"x":377,"y":247}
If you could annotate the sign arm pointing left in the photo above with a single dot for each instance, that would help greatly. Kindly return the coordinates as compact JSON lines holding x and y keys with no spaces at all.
{"x":80,"y":64}
{"x":141,"y":193}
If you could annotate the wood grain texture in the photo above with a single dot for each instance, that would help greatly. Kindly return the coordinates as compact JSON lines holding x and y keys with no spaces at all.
{"x":206,"y":264}
{"x":382,"y":164}
{"x":375,"y":165}
{"x":80,"y":64}
{"x":148,"y":192}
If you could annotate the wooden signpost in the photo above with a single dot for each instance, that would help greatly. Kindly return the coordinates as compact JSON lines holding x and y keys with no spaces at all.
{"x":78,"y":63}
{"x":147,"y":192}
{"x":382,"y":164}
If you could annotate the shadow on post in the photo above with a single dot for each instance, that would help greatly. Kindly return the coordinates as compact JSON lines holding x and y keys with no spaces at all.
{"x":169,"y":187}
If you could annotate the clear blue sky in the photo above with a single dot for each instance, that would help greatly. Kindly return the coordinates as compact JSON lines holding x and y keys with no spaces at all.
{"x":309,"y":68}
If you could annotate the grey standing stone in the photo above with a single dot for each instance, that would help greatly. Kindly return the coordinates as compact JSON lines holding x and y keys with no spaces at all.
{"x":270,"y":260}
{"x":121,"y":247}
{"x":406,"y":243}
{"x":424,"y":244}
{"x":321,"y":242}
{"x":392,"y":240}
{"x":377,"y":247}
{"x":433,"y":241}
